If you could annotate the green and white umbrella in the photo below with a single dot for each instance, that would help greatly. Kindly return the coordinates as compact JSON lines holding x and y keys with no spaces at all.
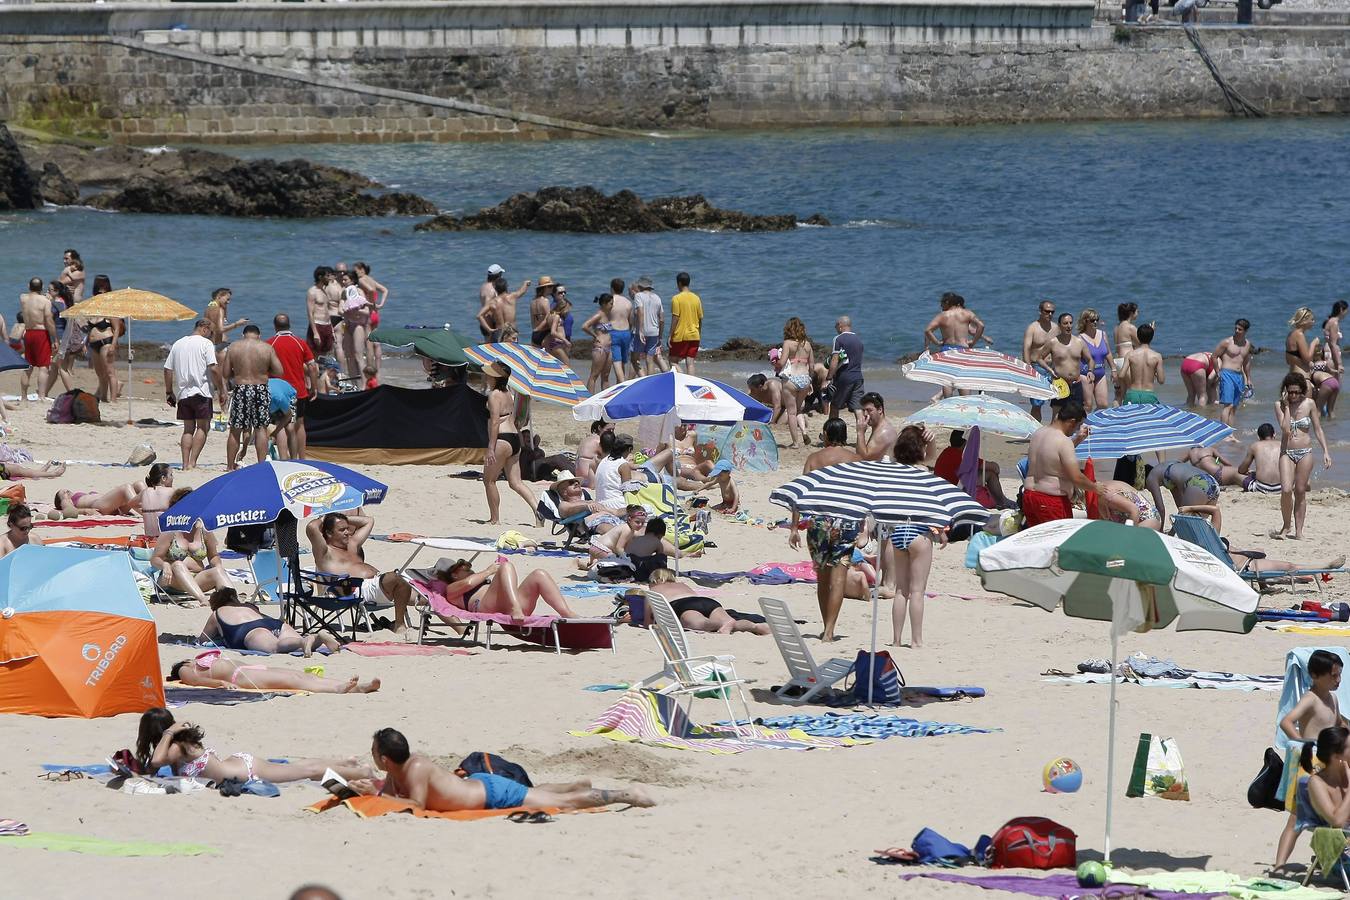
{"x":1134,"y":578}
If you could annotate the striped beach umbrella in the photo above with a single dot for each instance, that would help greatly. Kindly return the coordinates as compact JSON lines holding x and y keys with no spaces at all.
{"x":989,"y":413}
{"x":533,"y":371}
{"x":889,"y":492}
{"x":980,"y":370}
{"x":1144,"y":427}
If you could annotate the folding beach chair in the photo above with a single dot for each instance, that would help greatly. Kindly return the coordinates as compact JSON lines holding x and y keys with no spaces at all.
{"x":1197,"y":530}
{"x":1306,"y":819}
{"x":806,"y":675}
{"x":550,"y":507}
{"x":314,"y":601}
{"x":690,"y":524}
{"x":692,"y":676}
{"x":252,"y":541}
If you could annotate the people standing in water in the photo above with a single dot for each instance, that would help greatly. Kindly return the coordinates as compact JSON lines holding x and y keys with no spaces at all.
{"x":1097,"y":377}
{"x":377,"y":295}
{"x":1143,"y":369}
{"x":1299,"y":421}
{"x":796,"y":358}
{"x":1126,"y":337}
{"x":1326,"y":382}
{"x":1297,"y":349}
{"x":1034,"y":342}
{"x":597,"y":326}
{"x":1199,"y":373}
{"x":1234,"y":355}
{"x":503,"y":444}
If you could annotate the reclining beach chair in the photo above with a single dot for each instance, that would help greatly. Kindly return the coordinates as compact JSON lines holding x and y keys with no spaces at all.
{"x":574,"y":525}
{"x":805,"y":674}
{"x":1197,"y":530}
{"x":692,"y":676}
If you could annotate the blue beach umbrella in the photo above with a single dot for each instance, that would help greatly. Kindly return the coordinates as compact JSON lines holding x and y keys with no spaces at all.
{"x":691,"y":399}
{"x":257,"y":494}
{"x":1143,"y":427}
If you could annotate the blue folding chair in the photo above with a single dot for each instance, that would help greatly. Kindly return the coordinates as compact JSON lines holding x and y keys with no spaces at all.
{"x":1197,"y":530}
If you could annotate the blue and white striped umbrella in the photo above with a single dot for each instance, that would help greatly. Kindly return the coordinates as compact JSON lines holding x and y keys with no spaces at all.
{"x":1144,"y":427}
{"x":889,"y":492}
{"x":692,"y":399}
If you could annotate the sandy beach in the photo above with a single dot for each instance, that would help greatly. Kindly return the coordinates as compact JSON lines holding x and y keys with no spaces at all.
{"x":755,"y":824}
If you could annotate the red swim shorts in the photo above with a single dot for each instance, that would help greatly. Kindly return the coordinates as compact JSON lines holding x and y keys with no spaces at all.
{"x":683,"y":349}
{"x":37,"y":347}
{"x":1038,"y":508}
{"x":321,"y":339}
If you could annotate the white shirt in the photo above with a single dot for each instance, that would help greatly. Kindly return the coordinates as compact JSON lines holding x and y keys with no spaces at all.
{"x":190,"y":358}
{"x":649,"y":313}
{"x":609,"y":483}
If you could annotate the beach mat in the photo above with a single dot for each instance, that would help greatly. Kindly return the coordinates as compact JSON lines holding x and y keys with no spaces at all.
{"x":181,"y":695}
{"x":393,"y":648}
{"x":1261,"y":683}
{"x":1167,"y":885}
{"x":76,"y":843}
{"x":646,"y":717}
{"x":860,"y":725}
{"x":90,"y":522}
{"x":369,"y":807}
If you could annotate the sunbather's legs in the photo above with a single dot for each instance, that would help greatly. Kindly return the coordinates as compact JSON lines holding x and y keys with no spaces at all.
{"x":721,"y":622}
{"x":182,"y":579}
{"x":270,"y":679}
{"x":302,"y":769}
{"x":22,"y":470}
{"x":587,"y":798}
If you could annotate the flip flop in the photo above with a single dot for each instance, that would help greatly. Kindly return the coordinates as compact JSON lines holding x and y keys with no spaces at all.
{"x":896,"y":855}
{"x":538,"y":817}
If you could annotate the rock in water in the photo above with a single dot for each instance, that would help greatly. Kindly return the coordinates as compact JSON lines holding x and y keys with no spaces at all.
{"x":585,"y":209}
{"x":18,"y":187}
{"x":56,"y":187}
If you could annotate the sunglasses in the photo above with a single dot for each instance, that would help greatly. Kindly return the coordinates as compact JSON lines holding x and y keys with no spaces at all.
{"x":1047,"y":312}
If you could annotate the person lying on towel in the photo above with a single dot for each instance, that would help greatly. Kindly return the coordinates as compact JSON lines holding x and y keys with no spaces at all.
{"x":413,"y":777}
{"x":336,"y":539}
{"x":212,"y":670}
{"x":698,"y":613}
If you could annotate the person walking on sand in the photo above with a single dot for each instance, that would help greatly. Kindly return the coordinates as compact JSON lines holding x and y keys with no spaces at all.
{"x":686,"y":324}
{"x":650,"y":314}
{"x":1035,"y":340}
{"x":190,"y":375}
{"x":1299,"y":420}
{"x":301,"y":372}
{"x":1052,"y":467}
{"x":797,"y":358}
{"x":1143,"y":369}
{"x":1235,"y":372}
{"x":39,"y":339}
{"x":503,"y":443}
{"x":419,"y":780}
{"x":248,"y":363}
{"x":845,"y":375}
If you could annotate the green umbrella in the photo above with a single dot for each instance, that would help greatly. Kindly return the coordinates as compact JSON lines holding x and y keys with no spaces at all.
{"x":439,"y":344}
{"x":1134,"y":578}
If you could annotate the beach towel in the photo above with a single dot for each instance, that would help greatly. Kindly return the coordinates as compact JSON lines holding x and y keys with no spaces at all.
{"x":90,"y":522}
{"x":169,"y":641}
{"x":1329,"y":629}
{"x":584,"y":590}
{"x":76,"y":843}
{"x":1055,"y":886}
{"x":369,"y":807}
{"x":182,"y":695}
{"x":796,"y":571}
{"x":12,"y":828}
{"x":646,"y":717}
{"x":857,"y":725}
{"x":1194,"y":680}
{"x":392,"y":648}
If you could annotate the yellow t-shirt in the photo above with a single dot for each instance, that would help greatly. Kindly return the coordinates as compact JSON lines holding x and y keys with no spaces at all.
{"x":688,"y":308}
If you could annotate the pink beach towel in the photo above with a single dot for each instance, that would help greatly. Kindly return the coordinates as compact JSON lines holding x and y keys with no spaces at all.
{"x":797,"y":571}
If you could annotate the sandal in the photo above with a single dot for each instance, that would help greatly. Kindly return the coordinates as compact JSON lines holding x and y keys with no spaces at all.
{"x":896,"y":855}
{"x":538,"y":817}
{"x":63,"y":775}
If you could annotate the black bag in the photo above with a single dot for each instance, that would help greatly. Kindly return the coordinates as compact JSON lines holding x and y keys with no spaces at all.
{"x":1262,"y":794}
{"x":249,"y":539}
{"x":479,"y":762}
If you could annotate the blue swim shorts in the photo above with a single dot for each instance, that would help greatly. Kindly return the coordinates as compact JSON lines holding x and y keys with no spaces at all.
{"x":621,"y":345}
{"x":1231,"y":387}
{"x":650,"y":345}
{"x":501,"y":793}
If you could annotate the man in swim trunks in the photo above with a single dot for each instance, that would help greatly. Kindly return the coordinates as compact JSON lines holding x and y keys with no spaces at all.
{"x":954,"y":328}
{"x":416,"y":778}
{"x":1034,"y":340}
{"x":249,"y":362}
{"x":39,"y":337}
{"x":1066,"y":353}
{"x":487,"y":293}
{"x":336,"y":539}
{"x":19,"y":530}
{"x":621,"y":332}
{"x":540,"y":307}
{"x":1143,"y":370}
{"x":190,"y":376}
{"x":650,"y":314}
{"x":320,"y":309}
{"x":1052,"y":467}
{"x":1260,"y":468}
{"x":686,"y":324}
{"x":1235,"y":372}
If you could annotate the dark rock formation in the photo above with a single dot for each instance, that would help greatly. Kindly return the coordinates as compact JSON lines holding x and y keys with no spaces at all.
{"x":56,"y":187}
{"x":18,"y":187}
{"x":586,"y":209}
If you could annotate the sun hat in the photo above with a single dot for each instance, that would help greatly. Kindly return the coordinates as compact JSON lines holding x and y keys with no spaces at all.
{"x":644,"y":283}
{"x":563,"y":479}
{"x":546,"y":281}
{"x":495,"y":370}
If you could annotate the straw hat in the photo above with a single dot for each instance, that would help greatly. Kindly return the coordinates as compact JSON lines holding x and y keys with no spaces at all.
{"x":563,"y":481}
{"x":546,"y":281}
{"x":494,"y":370}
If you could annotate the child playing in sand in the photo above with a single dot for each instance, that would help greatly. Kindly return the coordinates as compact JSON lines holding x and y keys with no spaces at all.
{"x":164,"y":742}
{"x":1316,"y":710}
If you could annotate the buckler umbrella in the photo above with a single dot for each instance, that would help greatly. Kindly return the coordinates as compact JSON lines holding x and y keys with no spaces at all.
{"x":130,"y":303}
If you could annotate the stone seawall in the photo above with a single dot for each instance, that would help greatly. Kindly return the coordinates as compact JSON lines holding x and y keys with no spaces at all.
{"x":153,"y":73}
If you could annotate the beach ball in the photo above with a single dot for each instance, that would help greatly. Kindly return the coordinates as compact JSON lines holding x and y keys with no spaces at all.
{"x":1062,"y":776}
{"x":1091,"y":874}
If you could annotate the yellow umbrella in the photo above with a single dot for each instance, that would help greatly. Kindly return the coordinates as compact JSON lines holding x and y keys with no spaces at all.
{"x":130,"y":303}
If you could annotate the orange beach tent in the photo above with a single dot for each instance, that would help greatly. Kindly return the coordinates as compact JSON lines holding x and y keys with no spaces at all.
{"x":76,"y":638}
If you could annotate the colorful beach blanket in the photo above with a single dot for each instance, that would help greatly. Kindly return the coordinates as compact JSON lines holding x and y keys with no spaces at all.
{"x":76,"y":843}
{"x":369,"y":807}
{"x":1171,"y":885}
{"x":646,"y":717}
{"x":859,"y":725}
{"x":392,"y":648}
{"x":583,"y":590}
{"x":1055,"y":886}
{"x":89,"y":522}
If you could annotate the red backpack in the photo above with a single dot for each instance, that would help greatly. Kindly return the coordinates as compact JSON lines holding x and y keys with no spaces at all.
{"x":1032,"y":842}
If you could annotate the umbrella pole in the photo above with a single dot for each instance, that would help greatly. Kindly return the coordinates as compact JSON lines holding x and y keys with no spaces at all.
{"x":876,"y":604}
{"x":675,"y":473}
{"x":128,"y":384}
{"x":1111,"y":750}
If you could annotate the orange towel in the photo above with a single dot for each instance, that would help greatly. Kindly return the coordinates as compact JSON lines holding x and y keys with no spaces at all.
{"x":368,"y":807}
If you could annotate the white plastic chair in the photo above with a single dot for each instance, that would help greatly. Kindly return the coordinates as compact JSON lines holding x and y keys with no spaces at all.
{"x":692,"y":675}
{"x":801,"y":665}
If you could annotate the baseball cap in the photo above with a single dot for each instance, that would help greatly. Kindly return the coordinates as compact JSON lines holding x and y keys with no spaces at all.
{"x":495,"y":269}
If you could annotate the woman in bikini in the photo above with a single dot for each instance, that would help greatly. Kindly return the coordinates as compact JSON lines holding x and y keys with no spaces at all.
{"x":189,"y":561}
{"x":1097,"y":380}
{"x":1299,"y":421}
{"x":695,"y":612}
{"x":1297,"y":350}
{"x":1189,"y":485}
{"x":161,"y":741}
{"x":356,"y":308}
{"x":1122,"y":503}
{"x":907,"y":579}
{"x":72,"y":338}
{"x":797,"y":357}
{"x":1127,"y":335}
{"x":1325,"y":383}
{"x":123,"y":500}
{"x":377,"y":295}
{"x":497,"y":589}
{"x":503,"y":443}
{"x":1201,"y":377}
{"x":157,"y":496}
{"x":102,"y":342}
{"x":212,"y":670}
{"x":240,"y":626}
{"x":597,"y":326}
{"x":556,"y":343}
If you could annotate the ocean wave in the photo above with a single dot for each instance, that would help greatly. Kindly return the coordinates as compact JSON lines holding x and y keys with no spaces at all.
{"x":879,"y":223}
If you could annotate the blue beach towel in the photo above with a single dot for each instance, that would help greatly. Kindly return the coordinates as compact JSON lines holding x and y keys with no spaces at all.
{"x":858,"y":725}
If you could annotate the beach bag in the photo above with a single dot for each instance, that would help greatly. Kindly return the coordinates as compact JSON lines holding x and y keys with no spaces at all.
{"x":478,"y":762}
{"x":62,"y":411}
{"x":1158,"y":771}
{"x":978,"y":541}
{"x":84,"y":407}
{"x":879,"y":670}
{"x":1033,"y":842}
{"x":1264,"y":791}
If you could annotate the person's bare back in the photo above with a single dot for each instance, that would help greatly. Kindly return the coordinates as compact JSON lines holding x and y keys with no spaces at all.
{"x":1050,"y":455}
{"x":37,"y":311}
{"x":621,"y":313}
{"x":1143,"y":369}
{"x":880,"y":440}
{"x":251,"y":361}
{"x":828,"y":456}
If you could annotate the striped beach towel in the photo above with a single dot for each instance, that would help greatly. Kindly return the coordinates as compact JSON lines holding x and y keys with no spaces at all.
{"x":646,"y":717}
